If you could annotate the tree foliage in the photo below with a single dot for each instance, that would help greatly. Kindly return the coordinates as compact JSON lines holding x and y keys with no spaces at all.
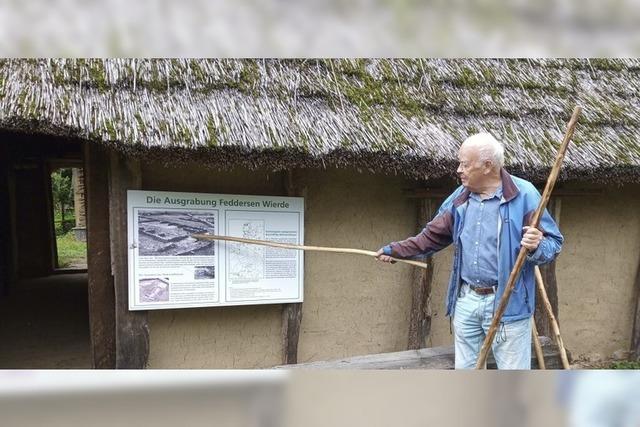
{"x":62,"y":190}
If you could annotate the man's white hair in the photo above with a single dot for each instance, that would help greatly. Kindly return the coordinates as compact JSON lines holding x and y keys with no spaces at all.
{"x":490,"y":148}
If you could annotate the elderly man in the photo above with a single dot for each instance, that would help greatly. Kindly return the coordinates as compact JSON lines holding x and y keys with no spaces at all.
{"x":487,"y":219}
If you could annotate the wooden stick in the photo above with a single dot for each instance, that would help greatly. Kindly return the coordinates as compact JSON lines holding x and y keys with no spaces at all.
{"x":515,"y":273}
{"x":554,"y":322}
{"x":537,"y":346}
{"x":303,"y":248}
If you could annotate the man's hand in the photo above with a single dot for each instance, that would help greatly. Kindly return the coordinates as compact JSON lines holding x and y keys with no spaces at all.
{"x":380,"y":256}
{"x":531,"y":238}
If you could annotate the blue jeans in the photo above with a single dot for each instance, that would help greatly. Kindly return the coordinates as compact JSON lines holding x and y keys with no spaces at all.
{"x":471,"y":321}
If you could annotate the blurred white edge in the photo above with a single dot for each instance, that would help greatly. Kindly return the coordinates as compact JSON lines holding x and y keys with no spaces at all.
{"x":16,"y":383}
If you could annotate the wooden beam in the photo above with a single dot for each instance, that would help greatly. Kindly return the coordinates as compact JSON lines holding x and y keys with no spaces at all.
{"x":78,"y":198}
{"x":291,"y":313}
{"x":635,"y":334}
{"x":50,"y":218}
{"x":132,"y":329}
{"x":5,"y":221}
{"x":13,"y":225}
{"x":291,"y":320}
{"x":420,"y":315}
{"x":32,"y":225}
{"x":102,"y":304}
{"x":548,"y":272}
{"x":425,"y":358}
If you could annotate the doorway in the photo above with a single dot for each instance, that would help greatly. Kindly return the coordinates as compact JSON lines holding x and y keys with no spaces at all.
{"x":44,"y":314}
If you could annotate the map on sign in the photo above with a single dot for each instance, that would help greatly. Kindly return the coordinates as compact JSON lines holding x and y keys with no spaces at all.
{"x":246,"y":261}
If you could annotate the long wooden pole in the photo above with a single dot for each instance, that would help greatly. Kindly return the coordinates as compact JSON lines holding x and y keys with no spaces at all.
{"x":515,"y":273}
{"x":302,"y":247}
{"x":537,"y":345}
{"x":554,"y":322}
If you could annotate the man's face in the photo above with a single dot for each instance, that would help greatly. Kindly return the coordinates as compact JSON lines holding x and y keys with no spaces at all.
{"x":472,"y":172}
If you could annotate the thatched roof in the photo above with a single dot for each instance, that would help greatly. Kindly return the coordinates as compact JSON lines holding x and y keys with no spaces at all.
{"x":394,"y":116}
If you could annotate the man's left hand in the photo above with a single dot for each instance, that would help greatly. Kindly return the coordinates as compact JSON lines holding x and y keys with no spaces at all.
{"x":531,"y":238}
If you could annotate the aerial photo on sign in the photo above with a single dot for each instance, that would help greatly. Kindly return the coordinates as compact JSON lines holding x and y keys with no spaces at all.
{"x":166,"y":232}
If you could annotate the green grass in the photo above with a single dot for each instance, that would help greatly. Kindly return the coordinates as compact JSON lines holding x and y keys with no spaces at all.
{"x":627,"y":364}
{"x":70,"y":250}
{"x":67,"y":216}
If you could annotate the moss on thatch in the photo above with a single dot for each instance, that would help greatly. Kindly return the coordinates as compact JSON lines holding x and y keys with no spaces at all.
{"x":403,"y":116}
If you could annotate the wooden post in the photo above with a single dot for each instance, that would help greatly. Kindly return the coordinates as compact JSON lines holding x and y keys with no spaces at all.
{"x":548,"y":272}
{"x":78,"y":197}
{"x":102,"y":304}
{"x":635,"y":335}
{"x":132,"y":330}
{"x":32,"y":220}
{"x":79,"y":208}
{"x":5,"y":221}
{"x":13,"y":225}
{"x":291,"y":313}
{"x":420,"y":316}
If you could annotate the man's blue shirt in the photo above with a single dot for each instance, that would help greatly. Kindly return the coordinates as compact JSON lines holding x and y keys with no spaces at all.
{"x":479,"y":240}
{"x":517,"y":206}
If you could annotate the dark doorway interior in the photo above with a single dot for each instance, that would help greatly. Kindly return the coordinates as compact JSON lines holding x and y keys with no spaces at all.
{"x":44,"y":320}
